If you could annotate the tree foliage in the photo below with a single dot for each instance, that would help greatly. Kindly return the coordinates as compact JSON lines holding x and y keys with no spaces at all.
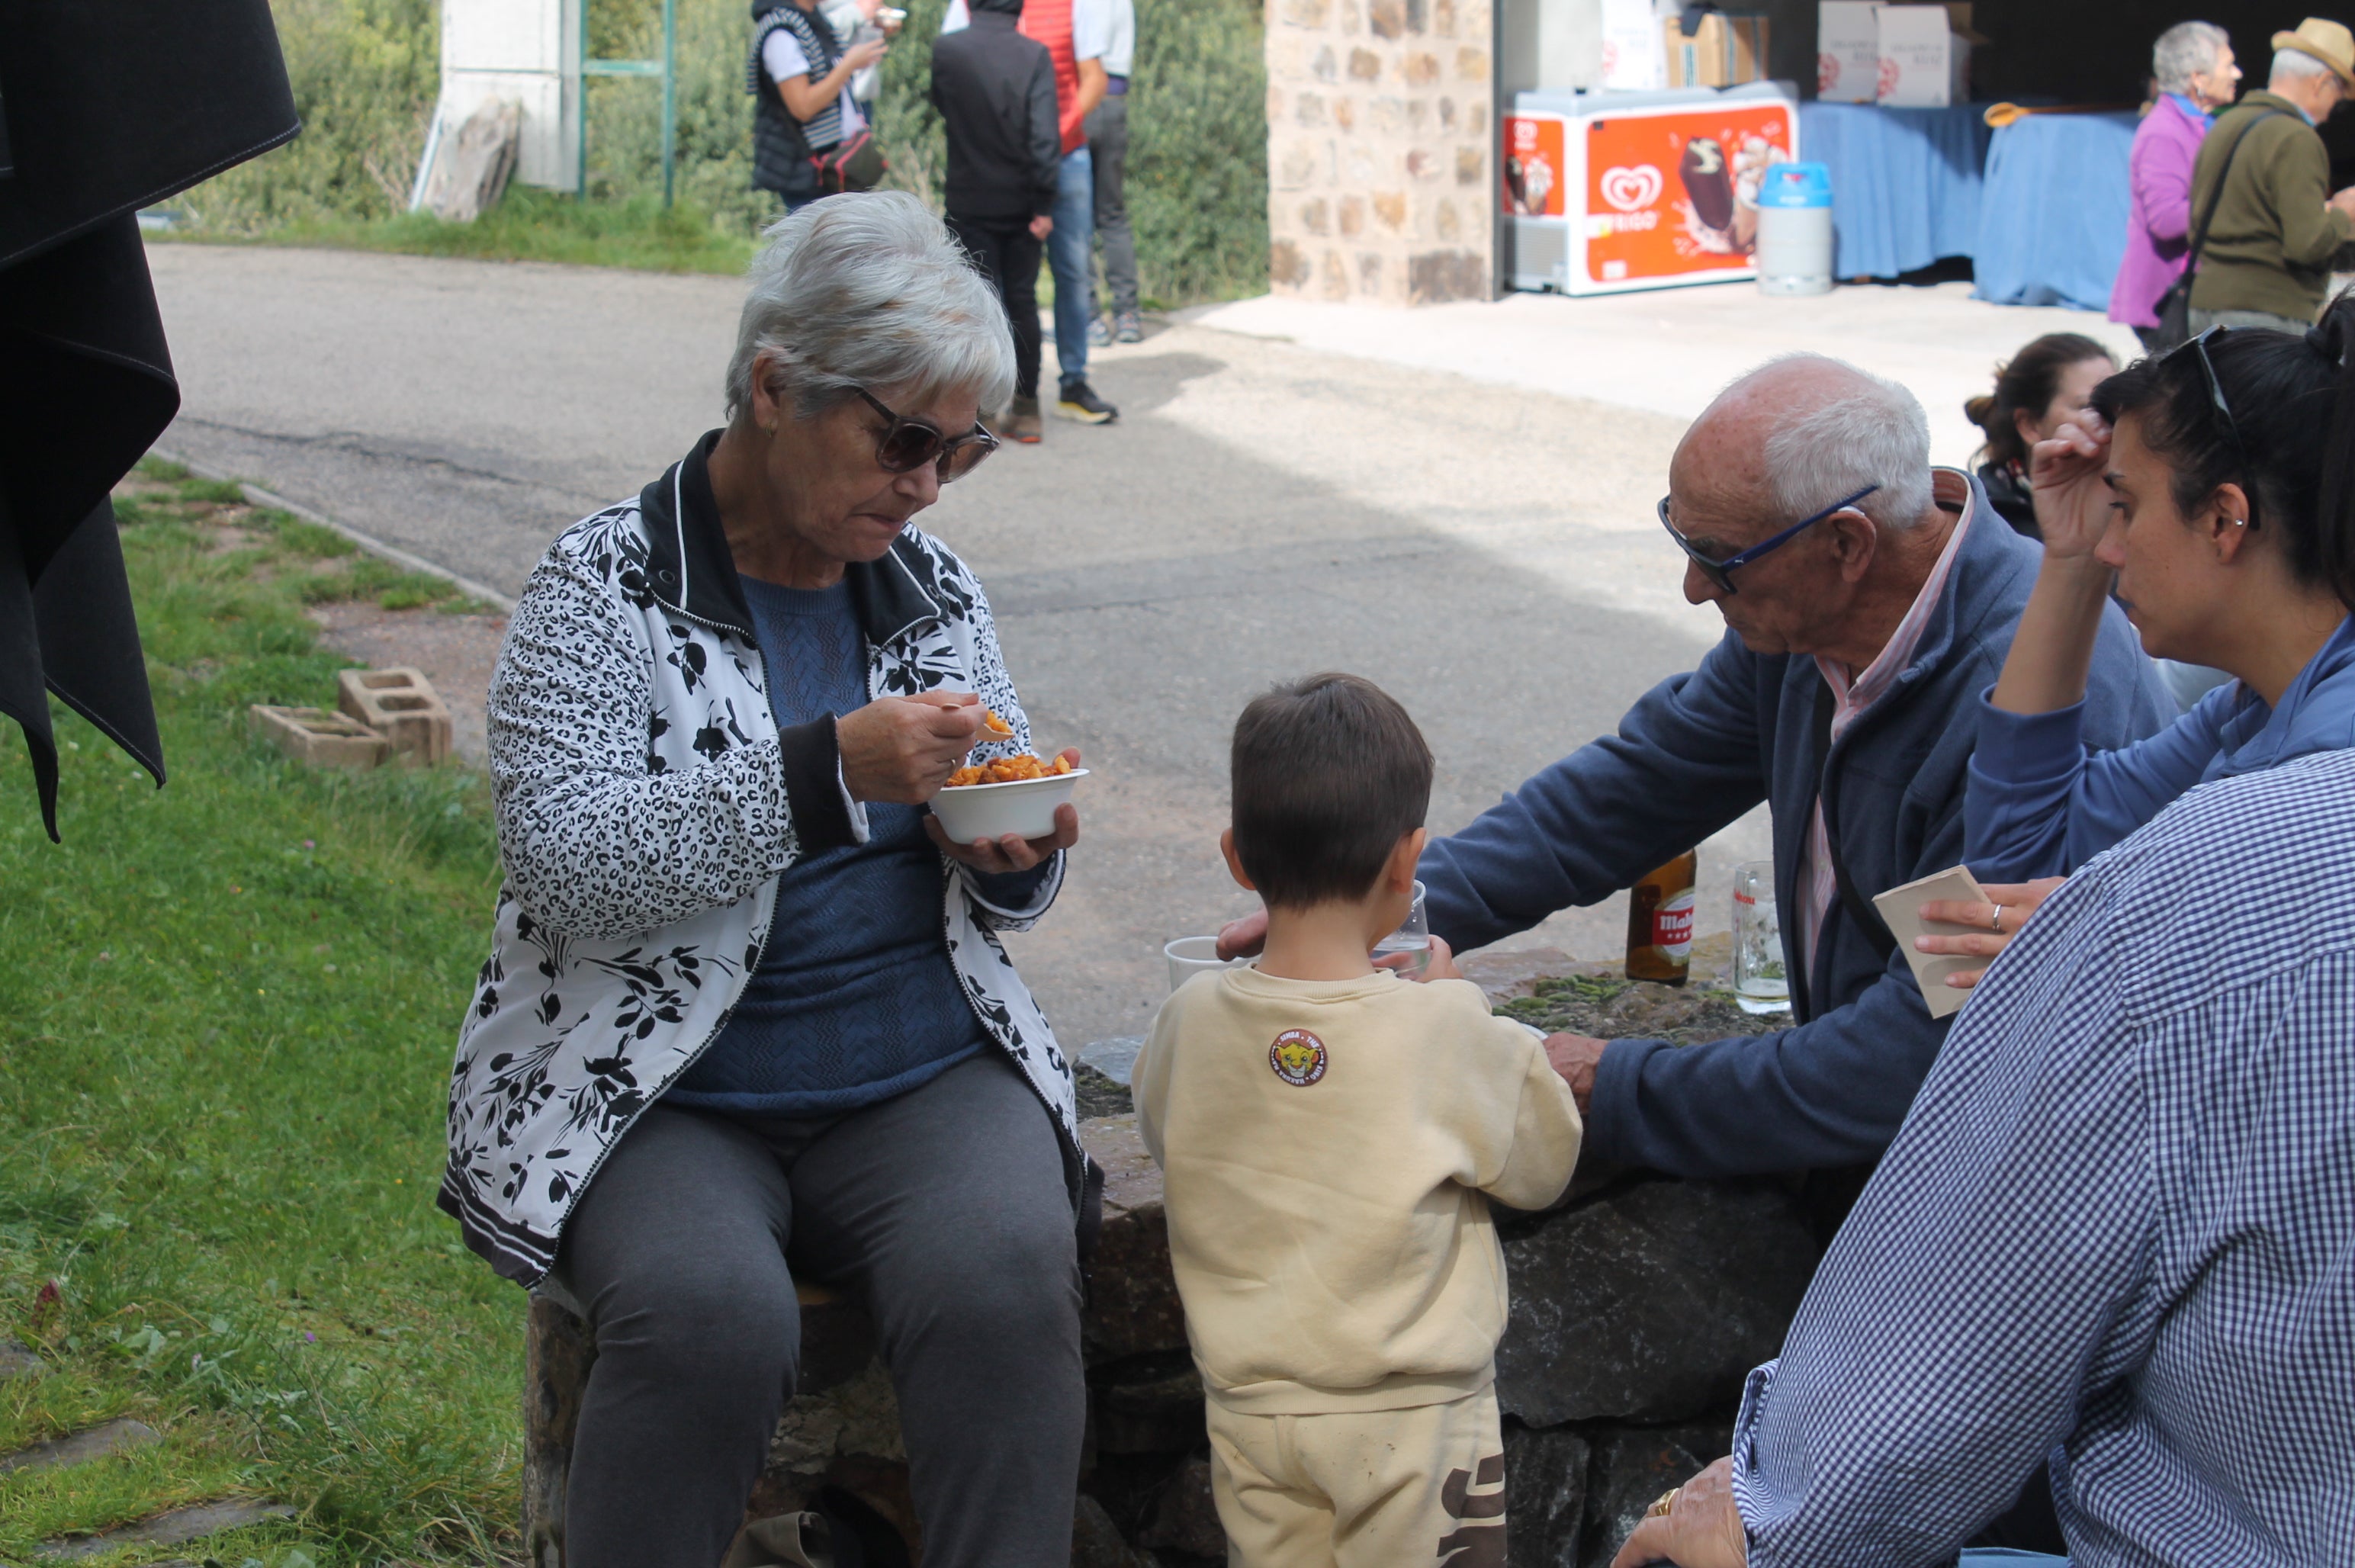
{"x":364,"y":74}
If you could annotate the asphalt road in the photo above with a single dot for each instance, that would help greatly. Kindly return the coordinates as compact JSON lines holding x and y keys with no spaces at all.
{"x":1262,"y":510}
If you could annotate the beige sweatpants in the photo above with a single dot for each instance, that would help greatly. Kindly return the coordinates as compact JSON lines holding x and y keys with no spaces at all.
{"x":1362,"y":1489}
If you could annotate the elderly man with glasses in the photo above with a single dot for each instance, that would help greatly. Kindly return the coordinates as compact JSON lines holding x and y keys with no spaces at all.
{"x":1868,"y":599}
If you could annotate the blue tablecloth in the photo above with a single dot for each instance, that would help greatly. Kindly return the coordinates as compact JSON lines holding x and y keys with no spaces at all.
{"x":1905,"y":182}
{"x":2052,"y":211}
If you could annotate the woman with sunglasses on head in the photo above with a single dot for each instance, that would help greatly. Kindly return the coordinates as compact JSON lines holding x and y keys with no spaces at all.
{"x":747,"y":1019}
{"x":2215,"y":486}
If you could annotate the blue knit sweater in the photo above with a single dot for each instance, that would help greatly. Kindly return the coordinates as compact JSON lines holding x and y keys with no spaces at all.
{"x":855,"y":1000}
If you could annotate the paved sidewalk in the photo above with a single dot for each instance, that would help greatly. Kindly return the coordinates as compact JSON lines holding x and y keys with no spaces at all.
{"x":1669,"y":350}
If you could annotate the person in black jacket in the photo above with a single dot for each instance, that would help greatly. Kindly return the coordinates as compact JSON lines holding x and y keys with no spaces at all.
{"x":995,"y":92}
{"x":2041,"y":387}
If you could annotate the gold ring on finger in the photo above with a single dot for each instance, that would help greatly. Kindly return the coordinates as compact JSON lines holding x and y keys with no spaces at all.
{"x":1662,"y":1503}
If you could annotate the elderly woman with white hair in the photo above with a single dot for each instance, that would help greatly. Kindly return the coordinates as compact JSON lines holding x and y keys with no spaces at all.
{"x":747,"y":1017}
{"x":2192,"y":63}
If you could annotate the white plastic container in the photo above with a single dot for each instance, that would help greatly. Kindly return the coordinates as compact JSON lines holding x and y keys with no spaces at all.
{"x":1795,"y":230}
{"x":1025,"y":807}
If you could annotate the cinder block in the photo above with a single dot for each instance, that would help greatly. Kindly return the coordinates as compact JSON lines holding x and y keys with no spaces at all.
{"x":316,"y":736}
{"x":400,"y":705}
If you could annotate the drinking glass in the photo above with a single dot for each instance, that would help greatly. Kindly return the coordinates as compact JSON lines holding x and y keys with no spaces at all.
{"x":1413,"y":938}
{"x":1759,"y":984}
{"x":1189,"y":956}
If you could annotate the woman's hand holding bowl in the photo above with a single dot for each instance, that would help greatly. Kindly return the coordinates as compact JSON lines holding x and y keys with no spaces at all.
{"x":1013,"y":853}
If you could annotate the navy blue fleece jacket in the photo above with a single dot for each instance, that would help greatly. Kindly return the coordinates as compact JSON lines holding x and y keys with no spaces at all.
{"x":1696,"y":753}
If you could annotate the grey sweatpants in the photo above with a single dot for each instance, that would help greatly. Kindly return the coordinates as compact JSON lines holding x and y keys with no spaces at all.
{"x":944,"y":1210}
{"x":1107,"y":130}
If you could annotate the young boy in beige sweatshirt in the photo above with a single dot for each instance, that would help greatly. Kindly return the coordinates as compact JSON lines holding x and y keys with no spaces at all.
{"x":1330,"y":1133}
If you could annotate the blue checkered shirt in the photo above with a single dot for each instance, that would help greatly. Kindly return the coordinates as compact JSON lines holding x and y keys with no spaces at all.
{"x":2118,"y":1228}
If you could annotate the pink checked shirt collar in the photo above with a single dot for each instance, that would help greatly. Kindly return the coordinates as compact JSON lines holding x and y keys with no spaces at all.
{"x":1817,"y":884}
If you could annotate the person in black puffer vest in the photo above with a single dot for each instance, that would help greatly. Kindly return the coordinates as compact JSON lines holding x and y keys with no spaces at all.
{"x":799,"y":76}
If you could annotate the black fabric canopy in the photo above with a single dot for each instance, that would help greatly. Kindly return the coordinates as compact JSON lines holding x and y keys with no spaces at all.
{"x":103,"y":109}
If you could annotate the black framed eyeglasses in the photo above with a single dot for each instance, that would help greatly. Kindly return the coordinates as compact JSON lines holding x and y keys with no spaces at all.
{"x":1720,"y":572}
{"x":910,"y":443}
{"x":2199,"y":346}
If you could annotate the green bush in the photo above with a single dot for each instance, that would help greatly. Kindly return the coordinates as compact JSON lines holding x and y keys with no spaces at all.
{"x":364,"y":74}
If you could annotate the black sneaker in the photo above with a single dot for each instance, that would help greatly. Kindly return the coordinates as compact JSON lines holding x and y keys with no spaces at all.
{"x":1079,"y":403}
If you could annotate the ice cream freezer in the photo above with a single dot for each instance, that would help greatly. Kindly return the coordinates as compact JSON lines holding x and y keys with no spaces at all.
{"x":1609,"y":191}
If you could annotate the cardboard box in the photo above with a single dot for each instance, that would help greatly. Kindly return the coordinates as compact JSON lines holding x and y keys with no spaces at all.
{"x":1729,"y":49}
{"x":1924,"y":63}
{"x":1633,"y":58}
{"x":1848,"y":51}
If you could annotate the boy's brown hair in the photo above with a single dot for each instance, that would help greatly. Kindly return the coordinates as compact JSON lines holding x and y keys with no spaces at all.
{"x":1328,"y":773}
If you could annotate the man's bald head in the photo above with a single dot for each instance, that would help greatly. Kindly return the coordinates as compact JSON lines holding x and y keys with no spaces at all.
{"x":1800,"y":432}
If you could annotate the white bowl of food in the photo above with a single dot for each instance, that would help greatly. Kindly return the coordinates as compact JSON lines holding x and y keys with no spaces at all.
{"x":1024,"y":808}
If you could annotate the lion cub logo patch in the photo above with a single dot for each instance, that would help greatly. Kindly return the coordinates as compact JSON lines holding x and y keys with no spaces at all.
{"x":1298,"y":1058}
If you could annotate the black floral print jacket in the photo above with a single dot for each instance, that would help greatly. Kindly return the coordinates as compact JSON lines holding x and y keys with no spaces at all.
{"x":647,"y":802}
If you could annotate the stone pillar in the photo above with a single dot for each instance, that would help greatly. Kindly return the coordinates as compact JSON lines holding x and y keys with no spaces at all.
{"x":1381,"y":131}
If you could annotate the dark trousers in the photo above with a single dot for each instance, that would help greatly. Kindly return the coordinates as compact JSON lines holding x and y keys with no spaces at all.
{"x":944,"y":1211}
{"x":1007,"y":254}
{"x":1107,"y":130}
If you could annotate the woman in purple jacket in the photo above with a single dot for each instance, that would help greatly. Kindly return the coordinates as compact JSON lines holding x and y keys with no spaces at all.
{"x":2193,"y":63}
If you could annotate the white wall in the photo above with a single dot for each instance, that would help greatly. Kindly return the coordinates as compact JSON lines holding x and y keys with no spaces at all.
{"x":524,"y":50}
{"x":1550,"y":44}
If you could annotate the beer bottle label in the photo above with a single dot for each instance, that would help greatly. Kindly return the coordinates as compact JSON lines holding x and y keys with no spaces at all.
{"x":1672,"y":927}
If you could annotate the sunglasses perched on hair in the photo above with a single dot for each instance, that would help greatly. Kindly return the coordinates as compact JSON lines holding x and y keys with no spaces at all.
{"x":910,"y":443}
{"x":2199,"y":346}
{"x":1721,"y":571}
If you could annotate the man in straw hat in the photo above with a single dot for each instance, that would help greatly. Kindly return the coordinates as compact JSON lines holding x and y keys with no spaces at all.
{"x":2266,"y":261}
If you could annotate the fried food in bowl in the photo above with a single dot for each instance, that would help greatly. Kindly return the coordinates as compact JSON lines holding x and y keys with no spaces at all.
{"x":1012,"y":794}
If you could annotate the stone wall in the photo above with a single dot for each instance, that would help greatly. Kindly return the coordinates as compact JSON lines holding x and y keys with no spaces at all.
{"x":1638,"y":1305}
{"x":1381,"y":126}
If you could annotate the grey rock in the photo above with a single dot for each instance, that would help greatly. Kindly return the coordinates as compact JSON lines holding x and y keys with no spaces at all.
{"x":1152,"y":1414}
{"x":1133,"y":1308}
{"x":1096,"y":1543}
{"x":171,"y":1528}
{"x":473,"y":162}
{"x":1545,"y":1481}
{"x":17,"y":1362}
{"x":1113,"y":1058}
{"x":1631,"y":1468}
{"x":1651,"y":1303}
{"x":1186,"y":1520}
{"x":82,"y":1447}
{"x":1098,"y":1095}
{"x":837,"y":1343}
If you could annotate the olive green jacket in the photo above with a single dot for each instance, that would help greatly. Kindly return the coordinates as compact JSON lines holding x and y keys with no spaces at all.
{"x":2270,"y":246}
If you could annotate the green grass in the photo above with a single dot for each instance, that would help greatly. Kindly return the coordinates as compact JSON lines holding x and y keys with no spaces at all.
{"x":225,"y":1028}
{"x":532,"y":225}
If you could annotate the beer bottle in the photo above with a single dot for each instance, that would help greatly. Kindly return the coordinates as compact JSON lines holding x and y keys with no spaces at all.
{"x":1660,"y":922}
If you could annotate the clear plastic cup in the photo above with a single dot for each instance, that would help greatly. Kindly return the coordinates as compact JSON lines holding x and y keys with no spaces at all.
{"x":1759,"y":983}
{"x":1413,"y":938}
{"x":1190,"y":956}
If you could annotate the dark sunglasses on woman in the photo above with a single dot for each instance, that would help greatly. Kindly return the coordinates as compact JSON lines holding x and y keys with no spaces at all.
{"x":908,"y":444}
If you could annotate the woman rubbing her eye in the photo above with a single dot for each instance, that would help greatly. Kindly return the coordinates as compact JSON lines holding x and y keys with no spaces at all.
{"x":2214,"y":487}
{"x":2044,"y":386}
